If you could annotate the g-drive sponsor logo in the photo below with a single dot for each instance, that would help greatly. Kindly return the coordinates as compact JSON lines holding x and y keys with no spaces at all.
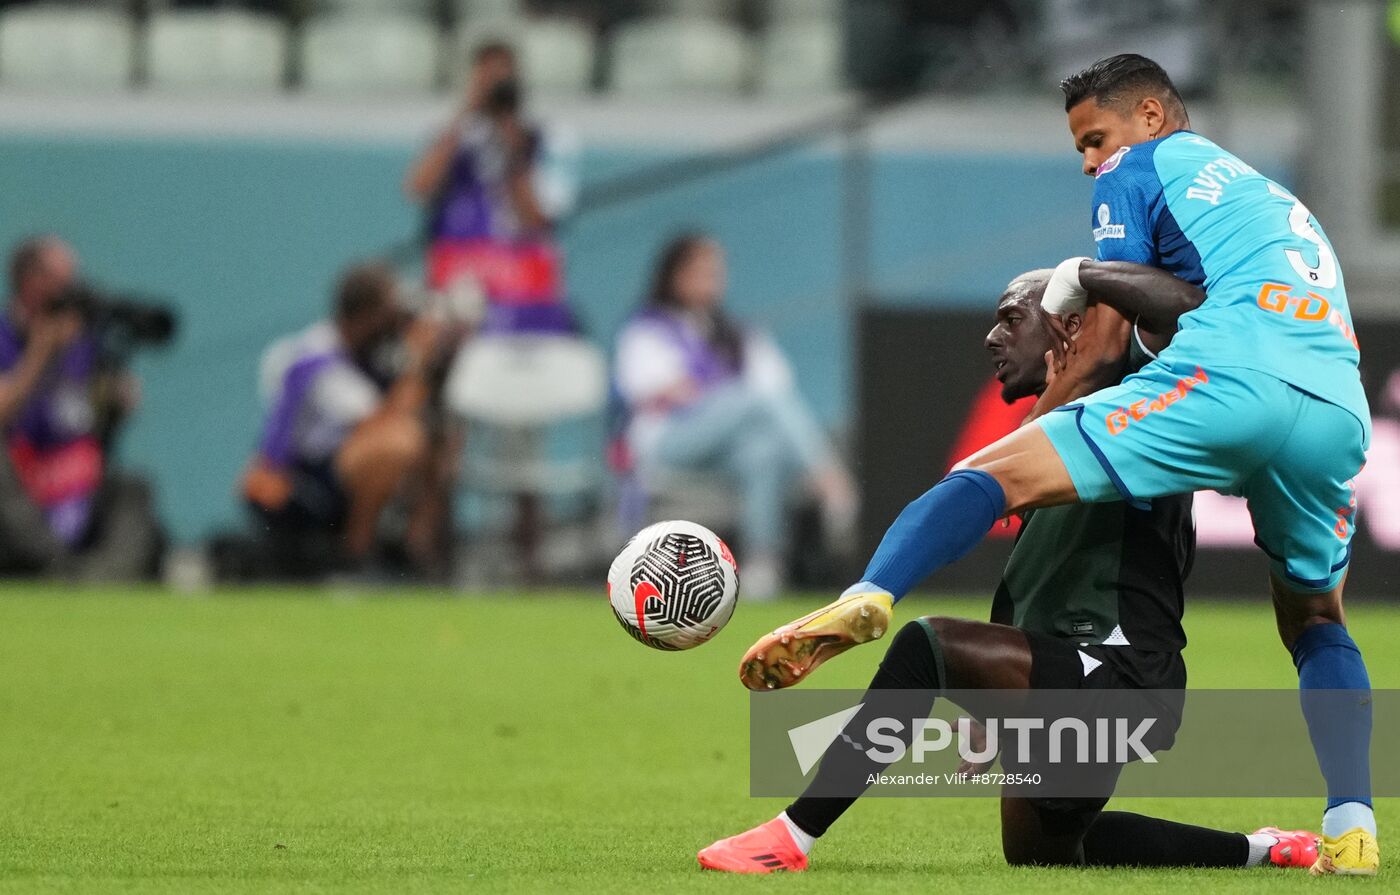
{"x":1067,"y":740}
{"x":1105,"y":230}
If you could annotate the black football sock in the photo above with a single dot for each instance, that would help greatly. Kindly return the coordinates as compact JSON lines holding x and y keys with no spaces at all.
{"x":903,"y":687}
{"x":1123,"y":839}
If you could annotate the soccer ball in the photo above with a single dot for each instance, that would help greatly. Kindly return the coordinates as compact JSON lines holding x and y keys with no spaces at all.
{"x":674,"y":585}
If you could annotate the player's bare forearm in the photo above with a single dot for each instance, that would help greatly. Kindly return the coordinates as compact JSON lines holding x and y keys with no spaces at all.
{"x":1152,"y":297}
{"x":1099,"y":360}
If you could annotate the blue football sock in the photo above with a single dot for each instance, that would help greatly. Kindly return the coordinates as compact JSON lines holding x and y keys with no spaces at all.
{"x":938,"y":528}
{"x":1339,"y":723}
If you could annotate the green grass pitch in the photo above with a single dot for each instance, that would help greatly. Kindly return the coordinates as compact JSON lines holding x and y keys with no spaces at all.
{"x":274,"y":741}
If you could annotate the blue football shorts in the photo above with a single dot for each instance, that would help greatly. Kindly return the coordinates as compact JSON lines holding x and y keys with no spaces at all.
{"x":1174,"y":427}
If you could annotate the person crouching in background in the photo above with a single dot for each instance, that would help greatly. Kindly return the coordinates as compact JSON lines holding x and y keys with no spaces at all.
{"x":704,"y":393}
{"x":341,"y":440}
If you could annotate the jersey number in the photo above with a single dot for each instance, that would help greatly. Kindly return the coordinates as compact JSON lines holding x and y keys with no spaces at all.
{"x":1324,"y":275}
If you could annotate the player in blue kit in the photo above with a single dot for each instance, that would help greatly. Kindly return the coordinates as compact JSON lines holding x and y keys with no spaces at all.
{"x":1090,"y":602}
{"x":1257,"y":395}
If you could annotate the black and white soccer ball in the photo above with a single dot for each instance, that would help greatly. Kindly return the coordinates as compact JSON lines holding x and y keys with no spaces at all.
{"x":674,"y":585}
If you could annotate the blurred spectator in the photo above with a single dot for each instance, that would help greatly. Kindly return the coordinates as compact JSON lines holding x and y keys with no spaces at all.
{"x":492,"y":194}
{"x":342,"y":439}
{"x":702,"y":392}
{"x":63,"y":509}
{"x":490,"y":204}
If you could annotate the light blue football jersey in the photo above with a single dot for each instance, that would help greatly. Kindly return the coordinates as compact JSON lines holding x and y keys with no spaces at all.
{"x":1275,"y":299}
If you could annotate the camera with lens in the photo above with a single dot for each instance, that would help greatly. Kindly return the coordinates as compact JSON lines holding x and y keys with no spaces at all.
{"x":120,"y":326}
{"x":503,"y":98}
{"x":122,"y":323}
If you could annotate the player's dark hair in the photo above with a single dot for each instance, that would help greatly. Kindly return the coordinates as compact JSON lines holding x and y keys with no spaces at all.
{"x":28,"y":256}
{"x":726,"y":337}
{"x":363,"y":287}
{"x":1123,"y":81}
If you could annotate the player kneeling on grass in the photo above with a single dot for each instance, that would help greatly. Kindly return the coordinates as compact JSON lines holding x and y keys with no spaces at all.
{"x":1258,"y":395}
{"x":1091,"y":600}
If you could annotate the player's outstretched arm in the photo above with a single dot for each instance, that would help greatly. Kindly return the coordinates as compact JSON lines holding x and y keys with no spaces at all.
{"x":1152,"y":297}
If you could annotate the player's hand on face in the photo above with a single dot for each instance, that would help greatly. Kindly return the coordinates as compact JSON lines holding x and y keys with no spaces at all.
{"x":1097,"y":347}
{"x":1062,"y":345}
{"x":977,"y":741}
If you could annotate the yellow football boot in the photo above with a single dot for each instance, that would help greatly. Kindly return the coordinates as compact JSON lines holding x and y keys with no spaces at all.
{"x":792,"y":652}
{"x":1354,"y":853}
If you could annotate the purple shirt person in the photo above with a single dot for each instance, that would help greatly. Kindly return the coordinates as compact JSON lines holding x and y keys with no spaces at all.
{"x":338,"y":443}
{"x":48,"y":363}
{"x":703,"y":393}
{"x":488,"y":220}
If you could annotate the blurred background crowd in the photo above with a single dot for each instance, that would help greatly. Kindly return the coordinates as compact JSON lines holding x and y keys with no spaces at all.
{"x":466,"y":291}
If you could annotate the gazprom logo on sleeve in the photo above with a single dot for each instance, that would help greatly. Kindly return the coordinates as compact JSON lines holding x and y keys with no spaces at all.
{"x":1105,"y":230}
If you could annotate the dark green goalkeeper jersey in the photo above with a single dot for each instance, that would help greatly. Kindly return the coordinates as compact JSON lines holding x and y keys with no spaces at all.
{"x":1102,"y":573}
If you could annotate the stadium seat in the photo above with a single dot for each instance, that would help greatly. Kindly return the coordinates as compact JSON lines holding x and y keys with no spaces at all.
{"x":487,"y":11}
{"x":519,"y":395}
{"x":527,"y":380}
{"x":52,"y":47}
{"x":719,"y":9}
{"x":219,"y":50}
{"x":710,"y":498}
{"x":680,"y":55}
{"x":369,"y":54}
{"x":556,"y":54}
{"x":804,"y":10}
{"x":472,"y":33}
{"x":803,"y":57}
{"x":378,"y":7}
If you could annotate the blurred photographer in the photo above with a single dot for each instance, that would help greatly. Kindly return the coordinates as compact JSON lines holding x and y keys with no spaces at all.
{"x":347,"y":432}
{"x":493,"y":184}
{"x":492,"y":200}
{"x":64,"y":390}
